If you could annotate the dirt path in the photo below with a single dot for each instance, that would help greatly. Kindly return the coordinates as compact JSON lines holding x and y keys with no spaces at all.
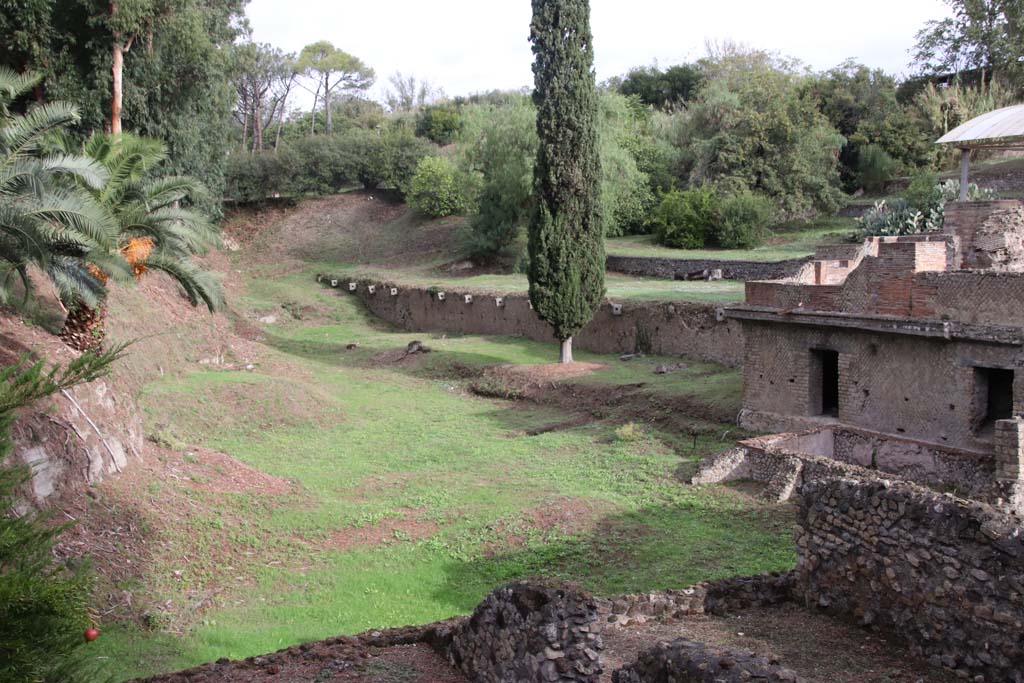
{"x":817,"y":647}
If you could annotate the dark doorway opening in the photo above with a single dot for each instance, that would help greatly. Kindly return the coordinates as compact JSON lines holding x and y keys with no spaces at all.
{"x":993,"y":397}
{"x":825,"y":383}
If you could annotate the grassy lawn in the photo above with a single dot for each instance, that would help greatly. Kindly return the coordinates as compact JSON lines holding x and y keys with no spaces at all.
{"x":410,"y":497}
{"x":787,"y":241}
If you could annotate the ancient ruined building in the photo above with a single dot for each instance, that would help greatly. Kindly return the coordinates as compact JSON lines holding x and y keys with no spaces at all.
{"x":902,"y":354}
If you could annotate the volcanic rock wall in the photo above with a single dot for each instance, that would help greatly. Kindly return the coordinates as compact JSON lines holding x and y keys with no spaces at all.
{"x":528,"y":633}
{"x":686,"y":661}
{"x":945,"y":574}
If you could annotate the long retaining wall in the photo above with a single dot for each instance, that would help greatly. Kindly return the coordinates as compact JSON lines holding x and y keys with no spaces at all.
{"x":661,"y":328}
{"x":944,"y":574}
{"x":677,"y":269}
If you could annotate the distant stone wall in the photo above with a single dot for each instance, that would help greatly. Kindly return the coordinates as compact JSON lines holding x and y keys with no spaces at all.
{"x":945,"y":574}
{"x":673,"y":269}
{"x":686,"y":661}
{"x":528,"y":633}
{"x":725,"y":596}
{"x":661,"y":328}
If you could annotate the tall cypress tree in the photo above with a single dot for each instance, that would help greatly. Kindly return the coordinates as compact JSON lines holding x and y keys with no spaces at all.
{"x":566,"y":241}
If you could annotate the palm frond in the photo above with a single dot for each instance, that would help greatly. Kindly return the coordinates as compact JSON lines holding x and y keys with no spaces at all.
{"x":199,"y":285}
{"x":32,"y":176}
{"x":23,"y":135}
{"x":13,"y":85}
{"x":74,"y":281}
{"x":178,"y":231}
{"x":162,"y":192}
{"x":75,"y":212}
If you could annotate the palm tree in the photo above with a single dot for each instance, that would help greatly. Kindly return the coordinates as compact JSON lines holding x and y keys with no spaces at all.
{"x":46,"y":219}
{"x":154,"y":232}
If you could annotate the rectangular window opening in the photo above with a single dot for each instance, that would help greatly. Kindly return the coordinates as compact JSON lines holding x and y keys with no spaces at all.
{"x":993,"y":397}
{"x":824,"y":378}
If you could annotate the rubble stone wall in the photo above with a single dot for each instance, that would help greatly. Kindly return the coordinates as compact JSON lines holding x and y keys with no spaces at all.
{"x":529,"y":633}
{"x":686,"y":661}
{"x":945,"y":574}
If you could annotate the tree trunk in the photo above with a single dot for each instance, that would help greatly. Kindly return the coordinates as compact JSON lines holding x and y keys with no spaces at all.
{"x":85,"y":327}
{"x":312,"y":119}
{"x":327,"y":102}
{"x":118,"y":71}
{"x":257,"y":128}
{"x":565,"y":357}
{"x":280,"y":122}
{"x":245,"y":128}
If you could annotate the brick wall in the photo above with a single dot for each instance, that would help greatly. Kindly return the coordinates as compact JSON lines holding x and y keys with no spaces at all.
{"x":919,"y":388}
{"x":680,"y":268}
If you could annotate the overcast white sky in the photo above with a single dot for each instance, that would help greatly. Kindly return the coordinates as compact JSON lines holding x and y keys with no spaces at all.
{"x":468,"y":46}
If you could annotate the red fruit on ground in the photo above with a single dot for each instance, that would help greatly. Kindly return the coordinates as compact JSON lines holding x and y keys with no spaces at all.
{"x":91,"y":634}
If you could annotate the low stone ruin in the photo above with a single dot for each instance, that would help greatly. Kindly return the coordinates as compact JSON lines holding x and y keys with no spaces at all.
{"x":691,"y":662}
{"x":526,"y":632}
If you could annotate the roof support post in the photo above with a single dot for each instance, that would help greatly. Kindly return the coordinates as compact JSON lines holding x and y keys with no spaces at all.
{"x":965,"y":161}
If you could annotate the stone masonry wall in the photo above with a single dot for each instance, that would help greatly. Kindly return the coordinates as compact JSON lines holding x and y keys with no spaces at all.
{"x":686,"y":661}
{"x":672,"y":269}
{"x":528,"y":633}
{"x":662,"y":328}
{"x":945,"y":574}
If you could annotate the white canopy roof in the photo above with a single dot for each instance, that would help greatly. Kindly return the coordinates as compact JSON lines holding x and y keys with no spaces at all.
{"x":999,"y":129}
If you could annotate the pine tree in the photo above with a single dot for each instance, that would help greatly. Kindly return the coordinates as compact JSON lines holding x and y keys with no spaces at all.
{"x":566,"y":243}
{"x":42,"y":601}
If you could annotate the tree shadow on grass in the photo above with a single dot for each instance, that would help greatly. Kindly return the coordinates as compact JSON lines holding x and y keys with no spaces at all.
{"x":651,"y":549}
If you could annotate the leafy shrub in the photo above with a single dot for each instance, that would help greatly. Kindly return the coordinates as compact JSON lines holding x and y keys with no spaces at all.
{"x":255,"y":177}
{"x":875,"y":168}
{"x":629,"y":432}
{"x":435,"y":189}
{"x":686,"y":219}
{"x":924,"y":190}
{"x":326,"y":163}
{"x":439,"y":123}
{"x":742,"y":220}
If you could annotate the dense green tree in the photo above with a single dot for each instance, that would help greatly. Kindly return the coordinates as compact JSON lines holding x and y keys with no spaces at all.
{"x":436,"y":189}
{"x":656,"y":87}
{"x":566,"y":243}
{"x":497,"y":149}
{"x":264,"y":78}
{"x":439,"y":123}
{"x":333,"y":70}
{"x":861,"y":103}
{"x":754,"y":127}
{"x":981,"y":35}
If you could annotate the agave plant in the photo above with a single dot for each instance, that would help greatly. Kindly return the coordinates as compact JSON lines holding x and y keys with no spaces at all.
{"x":47,"y":216}
{"x":153,"y":230}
